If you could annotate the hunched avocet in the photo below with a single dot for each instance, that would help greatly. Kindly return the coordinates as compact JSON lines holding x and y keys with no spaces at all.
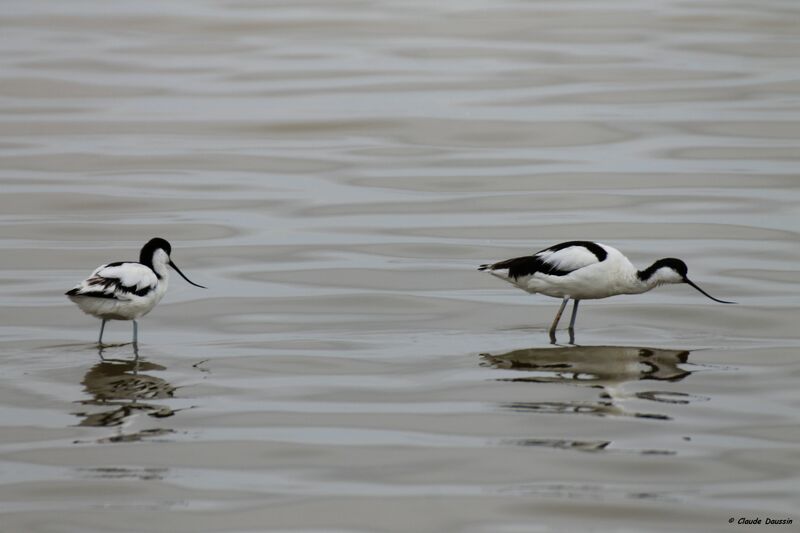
{"x":127,"y":290}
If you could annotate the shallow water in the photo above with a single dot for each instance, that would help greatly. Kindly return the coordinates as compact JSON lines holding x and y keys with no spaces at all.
{"x":334,"y":174}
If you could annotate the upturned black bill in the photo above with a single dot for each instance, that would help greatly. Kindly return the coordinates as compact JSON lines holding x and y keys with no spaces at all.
{"x":705,"y":293}
{"x":178,"y":270}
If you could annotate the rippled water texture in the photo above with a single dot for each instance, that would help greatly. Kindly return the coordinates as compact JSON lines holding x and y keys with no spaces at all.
{"x":334,"y":172}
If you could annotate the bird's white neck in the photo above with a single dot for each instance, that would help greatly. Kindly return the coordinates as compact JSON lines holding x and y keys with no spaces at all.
{"x":638,"y":286}
{"x":632,"y":284}
{"x":159,"y":265}
{"x":632,"y":281}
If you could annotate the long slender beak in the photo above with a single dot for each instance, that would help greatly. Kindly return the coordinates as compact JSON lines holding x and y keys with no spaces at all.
{"x":687,"y":280}
{"x":178,"y":270}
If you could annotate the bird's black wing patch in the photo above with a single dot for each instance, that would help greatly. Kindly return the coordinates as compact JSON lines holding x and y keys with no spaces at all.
{"x":525,"y":266}
{"x":593,"y":247}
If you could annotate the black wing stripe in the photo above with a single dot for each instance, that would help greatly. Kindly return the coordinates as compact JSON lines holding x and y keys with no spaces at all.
{"x":526,"y":266}
{"x":93,"y":294}
{"x":598,"y":251}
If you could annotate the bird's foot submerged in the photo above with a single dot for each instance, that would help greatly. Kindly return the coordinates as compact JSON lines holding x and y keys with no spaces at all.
{"x":554,"y":340}
{"x":102,"y":347}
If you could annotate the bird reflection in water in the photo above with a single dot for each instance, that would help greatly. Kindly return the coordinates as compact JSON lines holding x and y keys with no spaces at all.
{"x":120,"y":390}
{"x":607,"y":368}
{"x":594,"y":365}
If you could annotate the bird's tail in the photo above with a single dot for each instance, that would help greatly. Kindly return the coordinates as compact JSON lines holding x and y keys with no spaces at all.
{"x":487,"y":266}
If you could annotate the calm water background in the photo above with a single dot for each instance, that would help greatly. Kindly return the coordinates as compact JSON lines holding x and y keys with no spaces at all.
{"x":333,"y":172}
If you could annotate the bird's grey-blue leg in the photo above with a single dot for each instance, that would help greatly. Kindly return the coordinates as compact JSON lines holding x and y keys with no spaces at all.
{"x":558,"y":315}
{"x":135,"y":333}
{"x":555,"y":322}
{"x":574,"y":314}
{"x":102,"y":327}
{"x":572,"y":322}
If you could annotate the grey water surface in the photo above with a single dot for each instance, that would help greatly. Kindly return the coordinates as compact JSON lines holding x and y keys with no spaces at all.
{"x":334,"y":172}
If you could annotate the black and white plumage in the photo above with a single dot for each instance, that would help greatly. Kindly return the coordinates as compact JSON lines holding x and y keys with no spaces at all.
{"x":585,"y":270}
{"x":127,"y":290}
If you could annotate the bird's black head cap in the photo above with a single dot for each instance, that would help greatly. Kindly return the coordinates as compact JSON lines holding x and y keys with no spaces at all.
{"x":146,"y":255}
{"x":670,"y":262}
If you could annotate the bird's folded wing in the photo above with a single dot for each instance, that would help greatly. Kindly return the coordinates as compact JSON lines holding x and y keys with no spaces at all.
{"x":567,"y":259}
{"x":558,"y":260}
{"x":120,"y":281}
